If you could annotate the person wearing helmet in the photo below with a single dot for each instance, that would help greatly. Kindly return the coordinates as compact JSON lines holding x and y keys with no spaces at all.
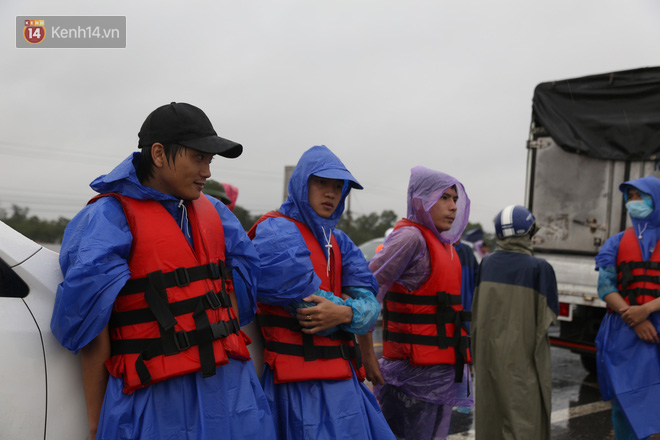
{"x":514,"y":304}
{"x":224,"y":192}
{"x":423,"y":371}
{"x":628,"y":353}
{"x":217,"y":190}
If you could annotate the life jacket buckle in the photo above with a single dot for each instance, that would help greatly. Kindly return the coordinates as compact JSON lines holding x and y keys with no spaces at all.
{"x":181,"y":340}
{"x":214,"y":271}
{"x":212,"y":298}
{"x":345,"y":351}
{"x":181,"y":276}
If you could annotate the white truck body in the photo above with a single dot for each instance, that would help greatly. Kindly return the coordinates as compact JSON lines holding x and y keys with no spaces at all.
{"x":577,"y":157}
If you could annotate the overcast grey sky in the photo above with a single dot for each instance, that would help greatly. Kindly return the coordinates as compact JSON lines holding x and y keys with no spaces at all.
{"x":386,"y":85}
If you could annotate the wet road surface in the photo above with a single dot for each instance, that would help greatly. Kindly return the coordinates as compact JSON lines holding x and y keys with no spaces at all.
{"x":578,"y":412}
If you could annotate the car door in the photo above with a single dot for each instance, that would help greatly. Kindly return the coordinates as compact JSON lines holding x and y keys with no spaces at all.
{"x":22,"y":369}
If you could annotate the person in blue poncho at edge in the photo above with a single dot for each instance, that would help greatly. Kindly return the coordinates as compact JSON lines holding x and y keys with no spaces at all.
{"x":469,"y":267}
{"x":153,"y":274}
{"x":628,"y":350}
{"x":315,"y":294}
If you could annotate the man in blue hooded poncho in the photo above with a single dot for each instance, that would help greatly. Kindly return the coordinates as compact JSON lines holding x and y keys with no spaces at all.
{"x":148,"y":294}
{"x":628,"y":350}
{"x":315,"y":293}
{"x":425,"y":341}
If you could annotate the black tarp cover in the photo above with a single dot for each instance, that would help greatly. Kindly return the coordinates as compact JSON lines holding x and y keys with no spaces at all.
{"x":608,"y":116}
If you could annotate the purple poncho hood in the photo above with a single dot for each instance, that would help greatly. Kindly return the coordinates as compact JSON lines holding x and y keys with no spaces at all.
{"x":424,"y":190}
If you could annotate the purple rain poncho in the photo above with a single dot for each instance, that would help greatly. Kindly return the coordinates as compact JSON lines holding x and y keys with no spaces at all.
{"x":417,"y":401}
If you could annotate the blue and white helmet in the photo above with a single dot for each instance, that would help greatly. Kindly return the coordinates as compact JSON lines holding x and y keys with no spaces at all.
{"x":514,"y":221}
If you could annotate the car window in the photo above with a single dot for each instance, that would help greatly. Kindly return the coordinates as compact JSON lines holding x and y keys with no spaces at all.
{"x":369,"y":248}
{"x":11,"y":285}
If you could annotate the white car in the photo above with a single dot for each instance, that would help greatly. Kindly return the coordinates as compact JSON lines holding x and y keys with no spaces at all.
{"x":41,"y":394}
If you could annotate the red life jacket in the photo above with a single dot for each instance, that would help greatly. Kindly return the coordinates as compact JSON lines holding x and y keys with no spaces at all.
{"x":426,"y":326}
{"x":639,"y":281}
{"x":293,"y":355}
{"x":174,"y":315}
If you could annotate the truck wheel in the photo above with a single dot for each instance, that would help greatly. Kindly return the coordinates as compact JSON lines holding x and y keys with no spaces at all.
{"x":589,"y":363}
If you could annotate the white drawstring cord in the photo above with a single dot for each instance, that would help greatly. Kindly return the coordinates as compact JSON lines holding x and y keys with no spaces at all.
{"x":184,"y":216}
{"x":328,"y":246}
{"x":642,"y":231}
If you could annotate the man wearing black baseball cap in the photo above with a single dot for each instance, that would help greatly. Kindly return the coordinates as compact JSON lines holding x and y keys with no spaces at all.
{"x":187,"y":125}
{"x":148,"y":296}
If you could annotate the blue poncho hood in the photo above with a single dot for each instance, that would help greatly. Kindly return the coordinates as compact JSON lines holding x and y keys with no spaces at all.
{"x":424,"y":190}
{"x":651,"y":186}
{"x":322,"y":162}
{"x":123,"y":180}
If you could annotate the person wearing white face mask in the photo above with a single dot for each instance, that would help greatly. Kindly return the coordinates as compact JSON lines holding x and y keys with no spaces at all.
{"x":628,"y":347}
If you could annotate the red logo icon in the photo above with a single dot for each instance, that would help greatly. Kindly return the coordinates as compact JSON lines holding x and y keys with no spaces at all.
{"x":34,"y":31}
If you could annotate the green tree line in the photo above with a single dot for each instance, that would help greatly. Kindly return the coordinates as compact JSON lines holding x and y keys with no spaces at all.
{"x":360,"y":229}
{"x":44,"y":231}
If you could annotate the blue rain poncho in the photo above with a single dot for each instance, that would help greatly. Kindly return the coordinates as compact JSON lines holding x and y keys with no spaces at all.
{"x":94,"y":262}
{"x":469,"y":267}
{"x":629,"y":368}
{"x":418,"y":401}
{"x":317,"y":409}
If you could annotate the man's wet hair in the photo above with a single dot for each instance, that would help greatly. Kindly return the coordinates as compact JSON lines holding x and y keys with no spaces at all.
{"x":145,"y":168}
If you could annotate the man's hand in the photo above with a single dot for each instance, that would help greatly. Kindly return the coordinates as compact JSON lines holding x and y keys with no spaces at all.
{"x":95,"y":376}
{"x":646,"y":332}
{"x":324,"y":315}
{"x":369,"y":360}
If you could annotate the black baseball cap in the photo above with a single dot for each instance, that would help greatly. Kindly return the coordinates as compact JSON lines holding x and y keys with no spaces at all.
{"x":187,"y":125}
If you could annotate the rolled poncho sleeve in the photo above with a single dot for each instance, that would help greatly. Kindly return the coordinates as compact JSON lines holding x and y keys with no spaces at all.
{"x":94,"y":263}
{"x":606,"y":266}
{"x":287,"y":273}
{"x":242,"y":257}
{"x":403,"y":259}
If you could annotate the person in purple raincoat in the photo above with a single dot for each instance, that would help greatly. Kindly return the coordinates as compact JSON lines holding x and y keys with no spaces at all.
{"x":417,"y":400}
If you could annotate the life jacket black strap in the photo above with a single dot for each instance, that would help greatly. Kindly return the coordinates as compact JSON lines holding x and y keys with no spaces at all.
{"x":156,"y":298}
{"x":632,"y":294}
{"x":446,"y":316}
{"x":439,"y":299}
{"x":210,"y":300}
{"x":201,"y":337}
{"x":292,"y":324}
{"x":644,"y":279}
{"x":180,"y":277}
{"x":152,"y":347}
{"x":314,"y":352}
{"x":651,"y":265}
{"x":407,"y":338}
{"x":308,"y":350}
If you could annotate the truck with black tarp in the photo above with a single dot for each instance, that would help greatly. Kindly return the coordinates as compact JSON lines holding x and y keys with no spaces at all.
{"x":587,"y":136}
